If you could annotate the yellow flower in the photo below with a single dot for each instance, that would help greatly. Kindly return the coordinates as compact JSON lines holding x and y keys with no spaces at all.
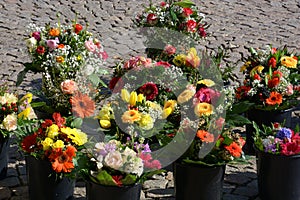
{"x":131,"y":116}
{"x":52,"y":131}
{"x":25,"y":113}
{"x":192,"y":59}
{"x":79,"y":58}
{"x":185,"y":96}
{"x":207,"y":82}
{"x":27,"y":97}
{"x":60,"y":59}
{"x":153,"y":105}
{"x":77,"y":136}
{"x":133,"y":98}
{"x":10,"y":122}
{"x":289,"y":62}
{"x":105,"y":113}
{"x":203,"y":109}
{"x":125,"y":95}
{"x":256,"y":69}
{"x":245,"y":66}
{"x":179,"y":60}
{"x":58,"y":144}
{"x":9,"y":98}
{"x":169,"y":107}
{"x":104,"y":123}
{"x":47,"y":143}
{"x":140,"y":98}
{"x":146,"y":122}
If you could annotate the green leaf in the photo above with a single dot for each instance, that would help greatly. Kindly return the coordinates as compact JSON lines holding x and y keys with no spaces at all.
{"x":76,"y":123}
{"x":20,"y":77}
{"x":237,"y":120}
{"x":129,"y":179}
{"x":173,"y":15}
{"x":105,"y":178}
{"x":184,"y":3}
{"x":94,"y":79}
{"x":241,"y":107}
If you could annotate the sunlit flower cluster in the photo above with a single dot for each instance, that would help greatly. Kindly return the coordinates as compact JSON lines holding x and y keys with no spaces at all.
{"x":56,"y":142}
{"x":271,"y":78}
{"x":121,"y":164}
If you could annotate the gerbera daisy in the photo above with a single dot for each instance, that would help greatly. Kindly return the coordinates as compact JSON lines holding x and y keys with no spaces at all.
{"x":274,"y":98}
{"x":205,"y":136}
{"x":203,"y":109}
{"x":150,"y":90}
{"x":131,"y":116}
{"x":82,"y":105}
{"x":185,"y":96}
{"x":62,"y":160}
{"x":234,"y":149}
{"x":29,"y":143}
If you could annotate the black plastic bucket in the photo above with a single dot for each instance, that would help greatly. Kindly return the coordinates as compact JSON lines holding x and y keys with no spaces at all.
{"x":43,"y":183}
{"x":4,"y":144}
{"x":278,"y":176}
{"x":96,"y":191}
{"x":193,"y":182}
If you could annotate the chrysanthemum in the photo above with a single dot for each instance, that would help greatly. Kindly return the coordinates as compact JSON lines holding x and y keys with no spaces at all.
{"x":205,"y":136}
{"x":62,"y":160}
{"x":131,"y":116}
{"x":274,"y":98}
{"x":203,"y":109}
{"x":234,"y":149}
{"x":82,"y":105}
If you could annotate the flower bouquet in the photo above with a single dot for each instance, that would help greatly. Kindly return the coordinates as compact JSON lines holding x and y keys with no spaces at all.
{"x":277,"y":149}
{"x":71,"y":62}
{"x":176,"y":23}
{"x":271,"y":79}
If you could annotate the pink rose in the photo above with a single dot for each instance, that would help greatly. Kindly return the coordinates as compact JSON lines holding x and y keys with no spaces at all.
{"x":36,"y":35}
{"x":52,"y":44}
{"x":169,"y":49}
{"x":68,"y":87}
{"x":290,"y":90}
{"x":90,"y":46}
{"x":103,"y":54}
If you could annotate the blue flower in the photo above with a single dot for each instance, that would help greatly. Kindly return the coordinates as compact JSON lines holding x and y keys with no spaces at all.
{"x":284,"y":133}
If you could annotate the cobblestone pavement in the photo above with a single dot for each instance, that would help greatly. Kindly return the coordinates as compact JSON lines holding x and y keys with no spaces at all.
{"x":234,"y":24}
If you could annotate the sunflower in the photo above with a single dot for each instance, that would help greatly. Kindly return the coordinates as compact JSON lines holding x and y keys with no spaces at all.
{"x":203,"y":109}
{"x":82,"y":105}
{"x":274,"y":98}
{"x":131,"y":116}
{"x":205,"y":136}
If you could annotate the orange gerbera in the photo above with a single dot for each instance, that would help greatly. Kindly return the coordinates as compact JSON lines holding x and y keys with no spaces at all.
{"x":131,"y":116}
{"x":234,"y":149}
{"x":60,"y":46}
{"x":274,"y":98}
{"x":54,"y":32}
{"x":82,"y":105}
{"x":205,"y":136}
{"x":62,"y":160}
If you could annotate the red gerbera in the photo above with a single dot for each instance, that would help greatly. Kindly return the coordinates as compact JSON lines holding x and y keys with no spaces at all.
{"x":29,"y":143}
{"x":149,"y":90}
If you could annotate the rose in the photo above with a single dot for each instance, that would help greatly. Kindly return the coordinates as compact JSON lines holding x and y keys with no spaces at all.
{"x":187,"y":12}
{"x":68,"y":87}
{"x":31,"y":43}
{"x":152,"y":19}
{"x":40,"y":50}
{"x":289,"y":90}
{"x":272,"y":62}
{"x":103,"y":55}
{"x":202,"y":32}
{"x":36,"y":35}
{"x":114,"y":160}
{"x":10,"y":122}
{"x":90,"y":46}
{"x":77,"y":28}
{"x":191,"y":25}
{"x":169,"y":50}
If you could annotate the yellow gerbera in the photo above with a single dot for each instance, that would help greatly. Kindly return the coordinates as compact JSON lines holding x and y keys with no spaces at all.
{"x":207,"y":82}
{"x":185,"y":96}
{"x":289,"y":62}
{"x":131,"y":116}
{"x":179,"y":60}
{"x":203,"y":109}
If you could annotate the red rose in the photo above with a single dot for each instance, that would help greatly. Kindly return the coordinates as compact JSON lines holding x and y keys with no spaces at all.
{"x":152,"y":19}
{"x":40,"y":50}
{"x":202,"y":32}
{"x":191,"y":25}
{"x":163,"y":4}
{"x":77,"y":28}
{"x":272,"y":62}
{"x":276,"y":125}
{"x":47,"y":123}
{"x":187,"y":12}
{"x":59,"y":120}
{"x":256,"y":77}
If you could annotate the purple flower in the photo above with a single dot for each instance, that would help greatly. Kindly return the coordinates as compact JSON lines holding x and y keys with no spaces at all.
{"x":271,"y":148}
{"x":52,"y":44}
{"x":284,"y":133}
{"x":110,"y":147}
{"x":36,"y":35}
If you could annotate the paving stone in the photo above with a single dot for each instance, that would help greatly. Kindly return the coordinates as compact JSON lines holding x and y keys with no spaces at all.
{"x":5,"y":193}
{"x":10,"y":182}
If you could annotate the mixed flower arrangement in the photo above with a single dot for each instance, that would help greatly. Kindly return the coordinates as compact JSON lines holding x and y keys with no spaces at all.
{"x":55,"y":141}
{"x":12,"y":109}
{"x":71,"y":62}
{"x":277,"y":139}
{"x":120,"y":164}
{"x":271,"y":79}
{"x":182,"y":16}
